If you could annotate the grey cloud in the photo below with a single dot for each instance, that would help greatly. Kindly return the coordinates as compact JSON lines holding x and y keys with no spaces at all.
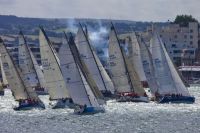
{"x":142,"y":10}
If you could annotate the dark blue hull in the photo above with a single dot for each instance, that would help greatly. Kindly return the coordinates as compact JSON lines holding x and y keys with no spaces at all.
{"x":180,"y":99}
{"x":89,"y":110}
{"x":29,"y":107}
{"x":2,"y":93}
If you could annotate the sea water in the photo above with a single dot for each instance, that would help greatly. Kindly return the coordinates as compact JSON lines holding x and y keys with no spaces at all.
{"x":118,"y":118}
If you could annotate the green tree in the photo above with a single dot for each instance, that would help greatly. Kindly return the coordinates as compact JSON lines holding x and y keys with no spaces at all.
{"x":183,"y":20}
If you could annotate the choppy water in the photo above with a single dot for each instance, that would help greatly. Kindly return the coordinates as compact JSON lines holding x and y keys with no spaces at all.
{"x":119,"y":118}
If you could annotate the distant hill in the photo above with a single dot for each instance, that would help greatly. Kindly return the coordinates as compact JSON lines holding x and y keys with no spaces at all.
{"x":11,"y":24}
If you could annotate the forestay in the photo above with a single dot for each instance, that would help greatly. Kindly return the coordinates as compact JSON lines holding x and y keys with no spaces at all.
{"x":53,"y":76}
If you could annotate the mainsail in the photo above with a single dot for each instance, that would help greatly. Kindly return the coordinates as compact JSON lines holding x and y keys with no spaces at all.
{"x":85,"y":71}
{"x":87,"y":55}
{"x":119,"y":72}
{"x":148,"y":66}
{"x":108,"y":82}
{"x":72,"y":75}
{"x":168,"y":79}
{"x":124,"y":75}
{"x":180,"y":87}
{"x":55,"y":83}
{"x":135,"y":56}
{"x":25,"y":62}
{"x":20,"y":89}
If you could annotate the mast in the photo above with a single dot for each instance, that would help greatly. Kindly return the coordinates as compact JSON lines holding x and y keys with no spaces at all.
{"x":125,"y":65}
{"x":93,"y":55}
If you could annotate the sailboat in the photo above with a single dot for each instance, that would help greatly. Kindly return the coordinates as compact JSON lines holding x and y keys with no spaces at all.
{"x":123,"y":75}
{"x":171,"y":87}
{"x":88,"y":56}
{"x":79,"y":88}
{"x":29,"y":67}
{"x":135,"y":57}
{"x":57,"y":88}
{"x":21,"y":90}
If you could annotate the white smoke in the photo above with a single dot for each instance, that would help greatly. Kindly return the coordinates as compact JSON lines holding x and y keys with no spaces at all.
{"x":72,"y":25}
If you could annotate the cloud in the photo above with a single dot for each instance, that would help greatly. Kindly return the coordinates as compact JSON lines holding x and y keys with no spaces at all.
{"x":140,"y":10}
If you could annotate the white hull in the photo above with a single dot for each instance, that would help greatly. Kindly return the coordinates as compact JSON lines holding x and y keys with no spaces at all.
{"x":133,"y":99}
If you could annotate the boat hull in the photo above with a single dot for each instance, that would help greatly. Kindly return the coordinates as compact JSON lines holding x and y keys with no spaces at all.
{"x":88,"y":110}
{"x":2,"y":93}
{"x":107,"y":93}
{"x":181,"y":99}
{"x":133,"y":99}
{"x":41,"y":92}
{"x":30,"y":106}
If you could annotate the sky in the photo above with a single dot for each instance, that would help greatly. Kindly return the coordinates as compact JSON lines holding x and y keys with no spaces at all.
{"x":136,"y":10}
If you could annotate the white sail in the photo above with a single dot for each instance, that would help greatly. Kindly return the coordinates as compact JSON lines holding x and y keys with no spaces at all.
{"x":134,"y":78}
{"x":108,"y":82}
{"x":4,"y":80}
{"x":124,"y":75}
{"x":86,"y":53}
{"x":161,"y":67}
{"x":20,"y":91}
{"x":119,"y":74}
{"x":135,"y":56}
{"x":148,"y":66}
{"x":180,"y":87}
{"x":72,"y":76}
{"x":38,"y":70}
{"x":94,"y":102}
{"x":55,"y":83}
{"x":25,"y":63}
